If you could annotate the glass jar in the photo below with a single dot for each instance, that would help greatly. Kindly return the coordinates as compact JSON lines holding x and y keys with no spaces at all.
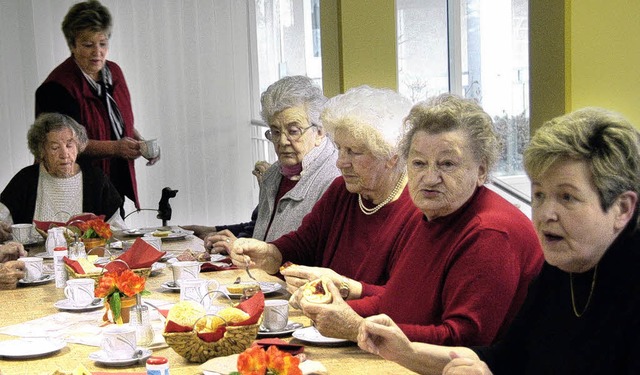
{"x":139,"y":318}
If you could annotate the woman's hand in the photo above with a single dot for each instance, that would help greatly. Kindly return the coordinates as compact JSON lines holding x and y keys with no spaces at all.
{"x":465,"y":366}
{"x":219,"y":242}
{"x":127,"y":148}
{"x":10,"y":273}
{"x":379,"y":335}
{"x":296,"y":276}
{"x":335,"y":319}
{"x":5,"y":231}
{"x":11,"y":251}
{"x":250,"y":251}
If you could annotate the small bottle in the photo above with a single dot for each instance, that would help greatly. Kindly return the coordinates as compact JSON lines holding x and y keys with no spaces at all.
{"x":77,"y":249}
{"x":58,"y":245}
{"x":157,"y":366}
{"x":139,"y":318}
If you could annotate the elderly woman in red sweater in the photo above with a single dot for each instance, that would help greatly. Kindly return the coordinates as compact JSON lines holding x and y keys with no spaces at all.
{"x":468,"y":255}
{"x":350,"y":233}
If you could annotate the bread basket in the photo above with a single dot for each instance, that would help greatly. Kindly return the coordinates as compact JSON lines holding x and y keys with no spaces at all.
{"x":235,"y":340}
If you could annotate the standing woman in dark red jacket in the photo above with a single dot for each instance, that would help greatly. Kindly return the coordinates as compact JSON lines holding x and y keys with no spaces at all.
{"x":94,"y":92}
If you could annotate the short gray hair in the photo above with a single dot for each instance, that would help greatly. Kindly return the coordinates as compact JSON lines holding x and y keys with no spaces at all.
{"x":293,"y":91}
{"x":88,"y":15}
{"x":448,"y":112}
{"x":49,"y":122}
{"x":370,"y":115}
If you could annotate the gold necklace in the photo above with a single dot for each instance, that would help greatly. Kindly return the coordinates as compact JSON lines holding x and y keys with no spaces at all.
{"x":394,"y":192}
{"x":573,"y":298}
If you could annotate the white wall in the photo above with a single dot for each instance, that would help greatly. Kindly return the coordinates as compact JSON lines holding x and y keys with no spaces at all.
{"x":187,"y":64}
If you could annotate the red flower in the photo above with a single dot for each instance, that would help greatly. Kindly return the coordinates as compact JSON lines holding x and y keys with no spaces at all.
{"x":106,"y":285}
{"x":282,"y":363}
{"x":95,"y":228}
{"x":129,"y":283}
{"x":115,"y":285}
{"x":253,"y":361}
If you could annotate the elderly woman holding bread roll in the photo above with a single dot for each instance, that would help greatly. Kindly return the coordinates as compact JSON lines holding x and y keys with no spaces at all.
{"x":304,"y":170}
{"x":350,"y":234}
{"x":467,"y":256}
{"x":582,"y":313}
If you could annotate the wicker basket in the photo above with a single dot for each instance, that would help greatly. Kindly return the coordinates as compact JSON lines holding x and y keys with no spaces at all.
{"x":144,"y":272}
{"x":235,"y":340}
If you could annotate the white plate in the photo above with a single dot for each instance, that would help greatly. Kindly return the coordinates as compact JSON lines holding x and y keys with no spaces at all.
{"x":266,"y":287}
{"x":43,"y":280}
{"x":291,"y":326}
{"x":30,"y":348}
{"x":67,"y":305}
{"x":101,"y":358}
{"x":43,"y":255}
{"x":312,"y":336}
{"x":176,"y":234}
{"x":167,"y":286}
{"x":157,"y":268}
{"x":138,"y":232}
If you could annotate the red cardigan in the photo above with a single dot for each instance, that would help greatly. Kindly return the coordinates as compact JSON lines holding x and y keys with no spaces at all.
{"x":337,"y":235}
{"x":67,"y":91}
{"x":460,"y":279}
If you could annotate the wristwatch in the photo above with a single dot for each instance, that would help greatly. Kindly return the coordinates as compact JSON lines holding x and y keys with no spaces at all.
{"x":344,"y":288}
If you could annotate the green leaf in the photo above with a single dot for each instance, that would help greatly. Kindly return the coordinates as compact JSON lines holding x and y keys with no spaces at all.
{"x":116,"y":306}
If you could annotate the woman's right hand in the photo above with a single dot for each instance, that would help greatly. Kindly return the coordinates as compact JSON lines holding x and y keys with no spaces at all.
{"x":379,"y":335}
{"x":250,"y":251}
{"x":128,"y":148}
{"x":10,"y":273}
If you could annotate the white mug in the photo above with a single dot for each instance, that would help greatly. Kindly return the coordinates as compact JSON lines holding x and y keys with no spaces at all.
{"x":276,"y":314}
{"x":22,"y":232}
{"x":150,"y":148}
{"x":80,"y":291}
{"x":185,"y":270}
{"x":32,"y":268}
{"x":119,"y":341}
{"x":199,"y":291}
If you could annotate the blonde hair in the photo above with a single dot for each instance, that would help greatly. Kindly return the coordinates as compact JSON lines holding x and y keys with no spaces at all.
{"x":602,"y":138}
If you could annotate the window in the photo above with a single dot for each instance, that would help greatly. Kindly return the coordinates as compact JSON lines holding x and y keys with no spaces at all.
{"x":287,"y":37}
{"x":474,"y":48}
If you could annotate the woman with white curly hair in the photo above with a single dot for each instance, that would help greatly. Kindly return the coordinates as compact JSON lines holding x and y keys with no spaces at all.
{"x":350,"y":234}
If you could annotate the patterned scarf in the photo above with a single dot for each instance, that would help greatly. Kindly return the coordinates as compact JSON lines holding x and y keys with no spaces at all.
{"x":103,"y":90}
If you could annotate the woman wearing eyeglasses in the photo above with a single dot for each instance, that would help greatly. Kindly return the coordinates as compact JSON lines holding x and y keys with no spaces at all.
{"x":305,"y":168}
{"x":351,"y":234}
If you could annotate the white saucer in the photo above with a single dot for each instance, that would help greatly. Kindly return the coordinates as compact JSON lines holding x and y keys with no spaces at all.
{"x":44,"y":255}
{"x":67,"y":305}
{"x":101,"y":358}
{"x":43,"y":280}
{"x":312,"y":336}
{"x":30,"y":348}
{"x":167,"y":286}
{"x":291,"y":326}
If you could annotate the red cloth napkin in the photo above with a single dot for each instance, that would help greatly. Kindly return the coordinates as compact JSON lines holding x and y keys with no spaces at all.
{"x":280,"y":344}
{"x":45,"y":225}
{"x":209,"y":267}
{"x":140,"y":255}
{"x":75,"y":266}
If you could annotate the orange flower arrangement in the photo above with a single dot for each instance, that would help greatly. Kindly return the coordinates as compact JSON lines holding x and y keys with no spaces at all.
{"x":114,"y":286}
{"x":255,"y":361}
{"x":95,"y":228}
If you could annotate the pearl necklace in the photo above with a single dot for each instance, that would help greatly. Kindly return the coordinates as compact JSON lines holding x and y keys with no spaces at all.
{"x":573,"y":298}
{"x":394,"y":192}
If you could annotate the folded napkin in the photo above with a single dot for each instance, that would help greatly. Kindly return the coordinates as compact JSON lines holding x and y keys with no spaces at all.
{"x":209,"y":267}
{"x":280,"y":344}
{"x":140,"y":255}
{"x":46,"y":225}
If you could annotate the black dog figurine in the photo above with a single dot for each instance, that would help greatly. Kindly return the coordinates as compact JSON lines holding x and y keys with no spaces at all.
{"x":164,"y":208}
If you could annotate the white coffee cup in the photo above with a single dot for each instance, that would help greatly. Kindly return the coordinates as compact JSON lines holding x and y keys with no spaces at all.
{"x":199,"y":291}
{"x":276,"y":314}
{"x":119,"y":341}
{"x":185,"y":270}
{"x":150,"y":148}
{"x":32,"y":268}
{"x":22,"y":232}
{"x":156,"y":242}
{"x":80,"y":291}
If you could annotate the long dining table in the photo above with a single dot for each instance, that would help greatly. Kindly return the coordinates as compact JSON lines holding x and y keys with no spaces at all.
{"x":25,"y":304}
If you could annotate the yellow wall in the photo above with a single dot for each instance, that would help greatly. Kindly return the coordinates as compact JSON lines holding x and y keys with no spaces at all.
{"x":604,"y":49}
{"x":358,"y":44}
